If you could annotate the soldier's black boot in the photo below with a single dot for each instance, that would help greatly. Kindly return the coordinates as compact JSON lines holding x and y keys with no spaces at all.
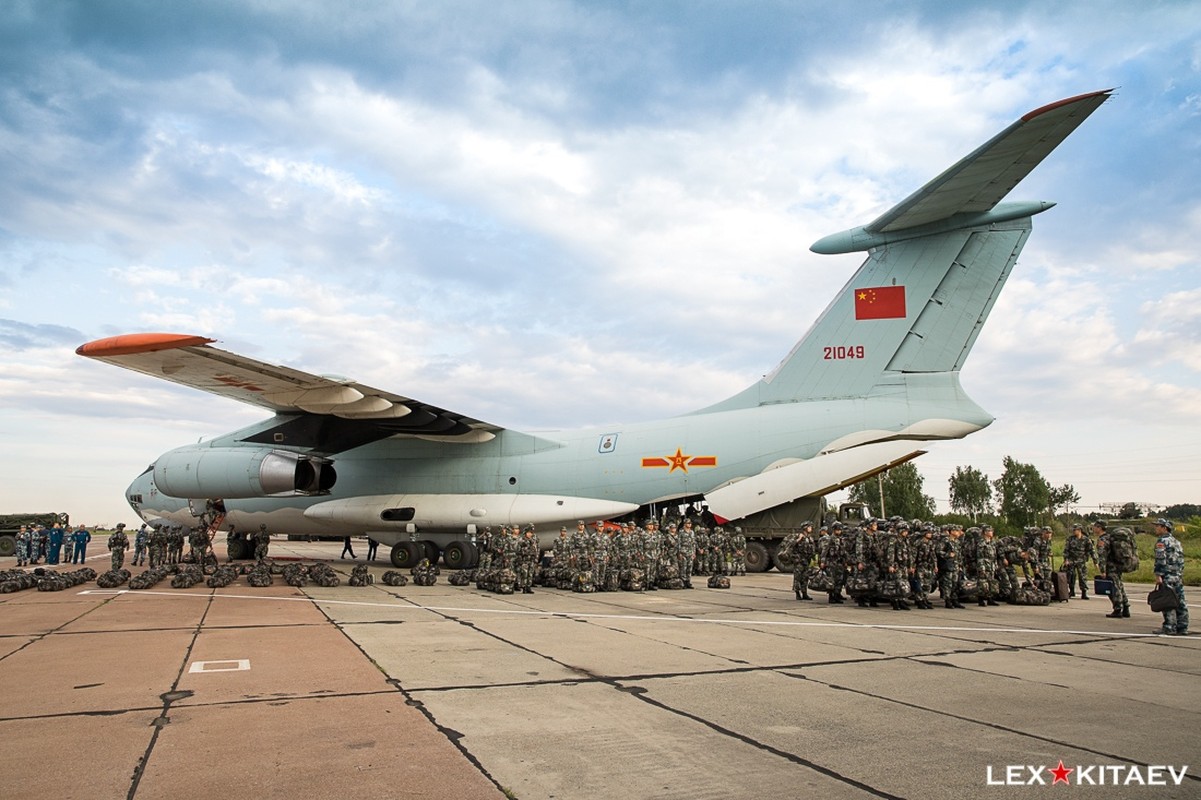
{"x":1084,"y":595}
{"x":893,"y":603}
{"x":1125,"y":611}
{"x":798,"y":595}
{"x":902,"y":605}
{"x":948,"y":604}
{"x":1117,"y":613}
{"x":959,"y":604}
{"x":859,"y":601}
{"x":982,"y":602}
{"x":992,"y":602}
{"x":805,"y":596}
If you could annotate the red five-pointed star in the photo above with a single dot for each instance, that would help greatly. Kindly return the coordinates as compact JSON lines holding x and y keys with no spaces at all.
{"x":1061,"y":773}
{"x":678,"y":461}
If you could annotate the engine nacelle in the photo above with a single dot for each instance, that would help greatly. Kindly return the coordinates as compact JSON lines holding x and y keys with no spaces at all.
{"x":239,"y":472}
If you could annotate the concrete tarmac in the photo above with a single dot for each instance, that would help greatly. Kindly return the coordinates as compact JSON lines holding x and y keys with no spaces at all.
{"x":452,"y":692}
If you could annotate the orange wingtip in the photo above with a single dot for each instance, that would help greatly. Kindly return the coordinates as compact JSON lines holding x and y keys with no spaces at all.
{"x":1065,"y":102}
{"x":130,"y":343}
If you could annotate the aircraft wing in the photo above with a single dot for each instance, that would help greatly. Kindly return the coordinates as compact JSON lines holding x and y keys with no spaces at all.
{"x":982,"y":179}
{"x":328,"y":412}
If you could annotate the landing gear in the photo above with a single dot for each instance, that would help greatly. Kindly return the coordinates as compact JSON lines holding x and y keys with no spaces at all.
{"x":460,"y":555}
{"x":405,"y":555}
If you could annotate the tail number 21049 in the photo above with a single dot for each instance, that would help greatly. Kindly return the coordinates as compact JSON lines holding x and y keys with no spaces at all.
{"x":839,"y":353}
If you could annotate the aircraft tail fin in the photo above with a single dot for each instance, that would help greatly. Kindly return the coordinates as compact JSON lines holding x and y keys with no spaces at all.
{"x":936,"y":263}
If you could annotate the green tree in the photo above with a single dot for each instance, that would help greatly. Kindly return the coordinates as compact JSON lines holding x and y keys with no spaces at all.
{"x":902,"y":493}
{"x":1023,"y":494}
{"x":970,"y":491}
{"x":1062,"y":497}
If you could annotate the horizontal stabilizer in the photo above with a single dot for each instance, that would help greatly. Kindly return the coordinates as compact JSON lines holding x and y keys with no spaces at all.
{"x":982,"y":179}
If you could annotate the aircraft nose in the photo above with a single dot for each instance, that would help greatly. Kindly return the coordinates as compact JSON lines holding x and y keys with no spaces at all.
{"x":138,"y":491}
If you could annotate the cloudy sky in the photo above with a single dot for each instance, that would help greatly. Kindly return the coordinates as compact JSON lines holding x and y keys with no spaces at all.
{"x":553,"y":214}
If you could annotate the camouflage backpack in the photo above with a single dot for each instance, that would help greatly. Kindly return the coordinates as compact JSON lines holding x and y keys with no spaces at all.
{"x":394,"y":578}
{"x":719,"y":582}
{"x":820,"y":581}
{"x":1122,"y":550}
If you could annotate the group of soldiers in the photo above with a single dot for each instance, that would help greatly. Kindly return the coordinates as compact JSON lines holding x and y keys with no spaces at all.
{"x":902,"y":562}
{"x":626,"y":556}
{"x":38,"y":543}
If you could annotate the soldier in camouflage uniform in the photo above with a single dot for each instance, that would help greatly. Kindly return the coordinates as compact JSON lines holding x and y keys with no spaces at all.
{"x":700,"y":555}
{"x":895,"y":564}
{"x":865,"y":573}
{"x":158,"y":546}
{"x":651,"y":547}
{"x":986,"y":567}
{"x":140,"y":542}
{"x":118,"y":543}
{"x":1169,"y":572}
{"x":801,"y":549}
{"x":198,"y":540}
{"x":528,"y":556}
{"x":175,"y":544}
{"x":687,"y":552}
{"x":262,"y":543}
{"x":833,"y":559}
{"x":560,"y":558}
{"x":1041,"y":558}
{"x":1107,"y":562}
{"x":949,"y":564}
{"x":669,"y":546}
{"x":925,"y":566}
{"x":22,"y":546}
{"x":1078,"y":550}
{"x":738,"y":552}
{"x":1010,"y":554}
{"x":484,"y":545}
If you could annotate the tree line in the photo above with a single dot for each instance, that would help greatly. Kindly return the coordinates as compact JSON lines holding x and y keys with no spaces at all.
{"x":1021,"y":496}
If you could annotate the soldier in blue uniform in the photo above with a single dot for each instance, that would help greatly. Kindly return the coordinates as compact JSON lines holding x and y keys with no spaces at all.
{"x":54,"y":544}
{"x":1169,"y":572}
{"x":80,"y":539}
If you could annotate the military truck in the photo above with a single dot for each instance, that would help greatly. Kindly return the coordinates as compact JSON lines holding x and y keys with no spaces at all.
{"x":766,"y":530}
{"x":11,"y":523}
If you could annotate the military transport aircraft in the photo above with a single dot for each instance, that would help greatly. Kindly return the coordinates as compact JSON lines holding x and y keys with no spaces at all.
{"x":875,"y":376}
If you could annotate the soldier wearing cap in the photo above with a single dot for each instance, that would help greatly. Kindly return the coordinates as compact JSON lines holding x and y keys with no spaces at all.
{"x":1169,"y":572}
{"x":950,"y":562}
{"x":832,"y":557}
{"x":652,"y":545}
{"x":687,"y":552}
{"x":1078,"y":550}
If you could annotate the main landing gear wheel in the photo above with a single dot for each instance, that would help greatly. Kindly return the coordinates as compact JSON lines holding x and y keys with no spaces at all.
{"x":460,"y":555}
{"x":405,"y":555}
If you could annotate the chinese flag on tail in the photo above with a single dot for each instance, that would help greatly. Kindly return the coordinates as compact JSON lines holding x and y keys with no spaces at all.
{"x":880,"y":302}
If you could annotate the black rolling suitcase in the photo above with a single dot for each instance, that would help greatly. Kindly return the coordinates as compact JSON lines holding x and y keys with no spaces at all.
{"x":1059,"y":587}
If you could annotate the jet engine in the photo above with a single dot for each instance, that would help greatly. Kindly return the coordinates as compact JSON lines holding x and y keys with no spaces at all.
{"x":240,"y":472}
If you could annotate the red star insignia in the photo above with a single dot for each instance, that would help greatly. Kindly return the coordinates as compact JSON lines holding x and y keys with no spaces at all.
{"x":678,"y":461}
{"x":1061,"y":773}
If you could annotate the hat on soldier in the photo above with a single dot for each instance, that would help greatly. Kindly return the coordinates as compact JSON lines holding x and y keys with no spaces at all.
{"x":1099,"y":523}
{"x":1164,"y":523}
